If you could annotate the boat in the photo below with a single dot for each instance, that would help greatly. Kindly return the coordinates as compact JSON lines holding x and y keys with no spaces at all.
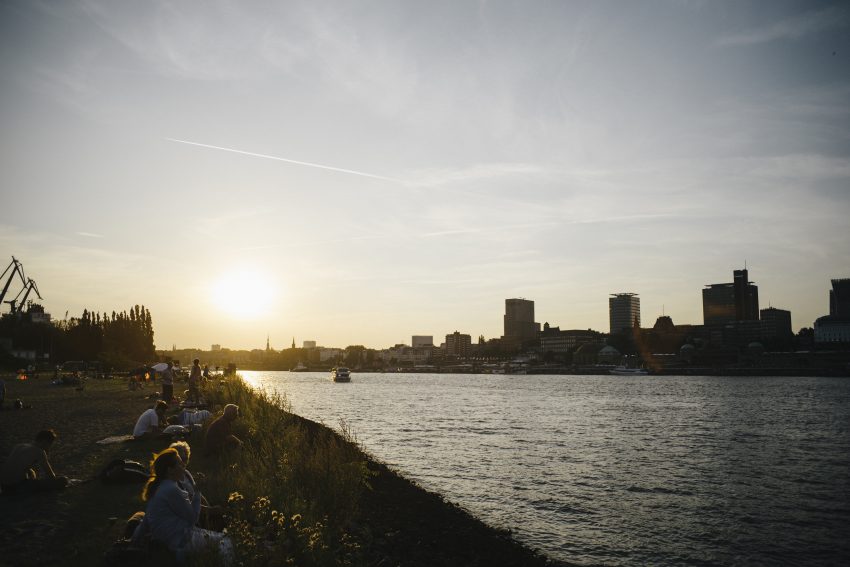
{"x":341,"y":374}
{"x":300,"y":368}
{"x":625,"y":371}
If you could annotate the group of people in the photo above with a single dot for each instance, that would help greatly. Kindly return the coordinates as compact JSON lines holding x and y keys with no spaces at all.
{"x":219,"y":435}
{"x":197,"y":377}
{"x":173,"y":514}
{"x":176,"y":514}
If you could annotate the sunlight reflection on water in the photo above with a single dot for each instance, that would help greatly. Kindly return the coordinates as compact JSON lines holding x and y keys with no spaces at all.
{"x":614,"y":470}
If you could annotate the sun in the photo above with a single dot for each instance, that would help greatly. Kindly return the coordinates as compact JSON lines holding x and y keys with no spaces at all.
{"x":243,"y":294}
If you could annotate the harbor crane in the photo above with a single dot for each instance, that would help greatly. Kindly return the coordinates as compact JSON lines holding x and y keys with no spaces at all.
{"x":26,"y":292}
{"x":14,"y":268}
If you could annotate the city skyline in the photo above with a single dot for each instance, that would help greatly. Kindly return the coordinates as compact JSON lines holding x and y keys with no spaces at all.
{"x":358,"y":174}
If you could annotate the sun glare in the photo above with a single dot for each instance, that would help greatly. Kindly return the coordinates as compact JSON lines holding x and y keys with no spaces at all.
{"x":243,"y":294}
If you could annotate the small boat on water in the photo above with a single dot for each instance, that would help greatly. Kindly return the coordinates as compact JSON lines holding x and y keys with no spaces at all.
{"x":626,"y":371}
{"x":341,"y":374}
{"x":300,"y":368}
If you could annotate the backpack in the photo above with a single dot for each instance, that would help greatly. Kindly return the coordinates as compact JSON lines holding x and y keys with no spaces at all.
{"x":123,"y":471}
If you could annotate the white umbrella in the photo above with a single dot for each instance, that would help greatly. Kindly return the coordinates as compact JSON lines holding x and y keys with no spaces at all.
{"x":160,"y":366}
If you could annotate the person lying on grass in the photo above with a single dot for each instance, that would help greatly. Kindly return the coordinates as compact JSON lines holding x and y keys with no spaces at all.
{"x":190,"y":417}
{"x":171,"y":515}
{"x":19,"y":473}
{"x":219,"y":434}
{"x":151,"y":422}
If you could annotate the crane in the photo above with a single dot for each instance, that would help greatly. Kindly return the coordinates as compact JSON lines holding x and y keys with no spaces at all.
{"x":16,"y":268}
{"x":29,"y":287}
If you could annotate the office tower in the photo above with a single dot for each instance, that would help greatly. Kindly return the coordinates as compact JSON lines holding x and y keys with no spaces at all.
{"x":839,"y":298}
{"x":728,"y":302}
{"x":835,"y":327}
{"x":519,"y":319}
{"x":718,"y":304}
{"x":746,"y":297}
{"x":776,"y":323}
{"x":458,"y":344}
{"x":623,"y":311}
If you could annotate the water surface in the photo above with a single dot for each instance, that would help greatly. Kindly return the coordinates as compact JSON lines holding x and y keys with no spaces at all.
{"x":613,"y":470}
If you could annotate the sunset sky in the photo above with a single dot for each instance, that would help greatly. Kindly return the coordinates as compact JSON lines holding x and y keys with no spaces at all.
{"x":360,"y":172}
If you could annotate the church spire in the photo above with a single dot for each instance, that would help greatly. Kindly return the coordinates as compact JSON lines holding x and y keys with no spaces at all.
{"x":293,"y":342}
{"x":268,"y":347}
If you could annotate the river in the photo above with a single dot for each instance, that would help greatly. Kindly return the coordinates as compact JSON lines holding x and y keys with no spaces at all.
{"x":613,"y":470}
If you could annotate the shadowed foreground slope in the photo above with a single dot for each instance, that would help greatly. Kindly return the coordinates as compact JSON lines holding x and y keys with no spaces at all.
{"x":297,"y":493}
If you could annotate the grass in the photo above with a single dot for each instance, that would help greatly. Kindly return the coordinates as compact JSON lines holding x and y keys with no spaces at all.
{"x":292,"y":490}
{"x":297,"y":493}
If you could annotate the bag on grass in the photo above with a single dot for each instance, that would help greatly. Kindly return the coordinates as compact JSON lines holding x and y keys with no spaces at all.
{"x":124,"y":471}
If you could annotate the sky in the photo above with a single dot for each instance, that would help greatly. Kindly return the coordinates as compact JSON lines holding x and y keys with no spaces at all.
{"x":360,"y":172}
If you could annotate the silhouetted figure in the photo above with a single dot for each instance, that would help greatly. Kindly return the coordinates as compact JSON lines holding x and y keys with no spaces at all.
{"x":219,"y":434}
{"x":168,"y":383}
{"x":195,"y":382}
{"x":27,"y":469}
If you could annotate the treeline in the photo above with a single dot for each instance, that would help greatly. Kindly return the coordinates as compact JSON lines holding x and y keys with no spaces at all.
{"x":118,"y":340}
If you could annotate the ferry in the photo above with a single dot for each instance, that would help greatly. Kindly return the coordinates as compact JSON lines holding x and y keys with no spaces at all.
{"x":341,"y":374}
{"x":625,"y":371}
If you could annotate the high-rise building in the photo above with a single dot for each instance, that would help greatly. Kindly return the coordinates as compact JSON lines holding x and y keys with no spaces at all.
{"x":776,"y":323}
{"x":746,"y":297}
{"x":519,"y":319}
{"x":839,"y":298}
{"x":718,"y":304}
{"x":308,"y":344}
{"x":623,"y":311}
{"x":728,"y":302}
{"x":422,"y":341}
{"x":835,"y":327}
{"x":458,"y":344}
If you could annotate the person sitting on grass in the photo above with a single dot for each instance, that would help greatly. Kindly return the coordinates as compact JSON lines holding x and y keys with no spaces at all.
{"x":219,"y":434}
{"x":171,"y":515}
{"x":19,"y":474}
{"x":208,"y":513}
{"x":151,"y":422}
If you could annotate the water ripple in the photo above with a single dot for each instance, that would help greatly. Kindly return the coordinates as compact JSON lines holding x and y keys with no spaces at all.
{"x":600,"y":470}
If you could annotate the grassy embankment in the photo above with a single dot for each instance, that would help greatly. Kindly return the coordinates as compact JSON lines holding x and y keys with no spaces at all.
{"x":297,"y":492}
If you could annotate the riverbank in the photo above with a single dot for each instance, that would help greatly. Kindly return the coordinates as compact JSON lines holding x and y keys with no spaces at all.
{"x":331,"y":503}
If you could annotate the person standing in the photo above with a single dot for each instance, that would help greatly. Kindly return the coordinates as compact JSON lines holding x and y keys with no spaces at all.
{"x":168,"y":383}
{"x":195,"y":381}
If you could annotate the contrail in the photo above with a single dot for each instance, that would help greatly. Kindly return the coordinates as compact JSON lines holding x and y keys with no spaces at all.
{"x":308,"y":164}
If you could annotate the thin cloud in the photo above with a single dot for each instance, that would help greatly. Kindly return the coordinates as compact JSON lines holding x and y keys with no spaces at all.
{"x":293,"y":161}
{"x":791,"y":28}
{"x":438,"y":177}
{"x":90,"y":235}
